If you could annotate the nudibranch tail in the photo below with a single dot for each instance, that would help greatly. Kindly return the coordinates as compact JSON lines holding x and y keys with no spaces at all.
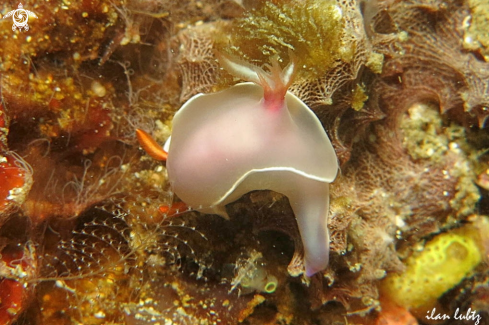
{"x":149,"y":145}
{"x":275,"y":82}
{"x":309,"y":200}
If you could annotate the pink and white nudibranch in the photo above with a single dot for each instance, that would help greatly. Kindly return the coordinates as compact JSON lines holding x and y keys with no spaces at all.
{"x":255,"y":136}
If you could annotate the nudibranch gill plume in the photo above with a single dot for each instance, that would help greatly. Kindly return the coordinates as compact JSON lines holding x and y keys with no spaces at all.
{"x":255,"y":136}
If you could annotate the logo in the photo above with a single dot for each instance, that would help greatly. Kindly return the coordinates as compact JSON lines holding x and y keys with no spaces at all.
{"x":20,"y":17}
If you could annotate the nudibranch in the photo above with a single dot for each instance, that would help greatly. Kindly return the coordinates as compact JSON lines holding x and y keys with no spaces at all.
{"x":255,"y":136}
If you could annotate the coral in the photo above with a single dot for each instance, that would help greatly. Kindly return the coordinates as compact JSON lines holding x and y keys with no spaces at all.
{"x":325,"y":35}
{"x":12,"y":302}
{"x":95,"y":270}
{"x":412,"y":177}
{"x":359,"y":97}
{"x":421,"y":190}
{"x":431,"y":64}
{"x":63,"y":97}
{"x":428,"y":138}
{"x":15,"y":174}
{"x":73,"y":187}
{"x":86,"y":270}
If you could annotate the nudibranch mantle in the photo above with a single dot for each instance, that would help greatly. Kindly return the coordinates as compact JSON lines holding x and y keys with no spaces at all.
{"x":255,"y":136}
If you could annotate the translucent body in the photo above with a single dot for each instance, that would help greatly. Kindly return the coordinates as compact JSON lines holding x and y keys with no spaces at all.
{"x":226,"y":144}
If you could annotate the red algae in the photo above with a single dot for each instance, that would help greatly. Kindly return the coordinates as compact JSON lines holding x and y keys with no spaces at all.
{"x":17,"y":266}
{"x":16,"y":180}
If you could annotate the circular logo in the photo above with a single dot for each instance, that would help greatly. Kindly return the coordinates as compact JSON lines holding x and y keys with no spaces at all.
{"x":20,"y":18}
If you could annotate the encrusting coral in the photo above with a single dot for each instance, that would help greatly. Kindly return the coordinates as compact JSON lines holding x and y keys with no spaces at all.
{"x":457,"y":79}
{"x":91,"y":232}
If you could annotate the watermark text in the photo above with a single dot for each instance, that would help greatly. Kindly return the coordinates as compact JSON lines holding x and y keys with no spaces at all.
{"x":469,"y":315}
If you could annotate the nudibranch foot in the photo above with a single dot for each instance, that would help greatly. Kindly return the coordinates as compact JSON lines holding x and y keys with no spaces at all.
{"x":311,"y":208}
{"x":308,"y":198}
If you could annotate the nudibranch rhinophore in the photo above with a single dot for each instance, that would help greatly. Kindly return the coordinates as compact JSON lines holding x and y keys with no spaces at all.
{"x":255,"y":136}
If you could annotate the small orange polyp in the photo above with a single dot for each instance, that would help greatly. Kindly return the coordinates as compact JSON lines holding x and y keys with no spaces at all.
{"x":149,"y":145}
{"x":174,"y":209}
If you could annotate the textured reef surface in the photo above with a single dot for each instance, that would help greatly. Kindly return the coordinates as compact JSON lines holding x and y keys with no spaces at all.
{"x":91,"y":233}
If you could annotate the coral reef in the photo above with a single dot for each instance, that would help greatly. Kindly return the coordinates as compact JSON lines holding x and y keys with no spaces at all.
{"x":448,"y":75}
{"x":91,"y":232}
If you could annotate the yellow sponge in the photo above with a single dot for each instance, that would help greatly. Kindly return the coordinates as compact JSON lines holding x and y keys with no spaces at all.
{"x":443,"y":263}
